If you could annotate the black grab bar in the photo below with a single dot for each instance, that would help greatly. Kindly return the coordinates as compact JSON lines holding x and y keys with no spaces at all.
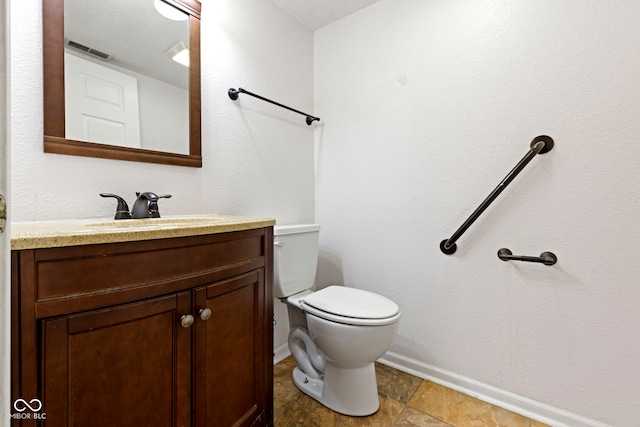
{"x":546,"y":258}
{"x":233,"y":94}
{"x":540,"y":144}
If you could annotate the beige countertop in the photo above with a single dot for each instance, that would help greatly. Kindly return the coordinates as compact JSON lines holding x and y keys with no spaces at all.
{"x":51,"y":234}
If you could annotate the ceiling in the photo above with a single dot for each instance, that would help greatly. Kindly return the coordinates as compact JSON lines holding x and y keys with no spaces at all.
{"x":315,"y":14}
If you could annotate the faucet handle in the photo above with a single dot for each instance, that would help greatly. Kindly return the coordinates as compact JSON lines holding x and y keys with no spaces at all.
{"x":153,"y":205}
{"x":122,"y":210}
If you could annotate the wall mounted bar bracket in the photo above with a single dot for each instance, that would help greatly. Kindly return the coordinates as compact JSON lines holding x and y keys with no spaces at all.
{"x":546,"y":258}
{"x":233,"y":94}
{"x":540,"y":145}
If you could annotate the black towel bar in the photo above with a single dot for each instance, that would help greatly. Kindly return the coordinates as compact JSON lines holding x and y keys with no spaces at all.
{"x":546,"y":258}
{"x":540,"y":144}
{"x":233,"y":94}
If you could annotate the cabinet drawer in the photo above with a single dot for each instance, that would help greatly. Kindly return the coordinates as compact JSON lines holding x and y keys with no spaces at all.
{"x":86,"y":277}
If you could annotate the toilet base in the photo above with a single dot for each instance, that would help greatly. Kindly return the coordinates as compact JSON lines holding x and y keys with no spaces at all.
{"x":352,"y":392}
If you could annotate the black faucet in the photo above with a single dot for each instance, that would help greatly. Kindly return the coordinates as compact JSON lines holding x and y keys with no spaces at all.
{"x":141,"y":208}
{"x":145,"y":206}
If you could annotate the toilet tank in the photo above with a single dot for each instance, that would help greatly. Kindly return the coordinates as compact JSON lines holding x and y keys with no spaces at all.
{"x":295,"y":258}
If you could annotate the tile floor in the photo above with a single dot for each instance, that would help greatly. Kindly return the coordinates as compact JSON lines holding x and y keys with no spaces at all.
{"x":405,"y":401}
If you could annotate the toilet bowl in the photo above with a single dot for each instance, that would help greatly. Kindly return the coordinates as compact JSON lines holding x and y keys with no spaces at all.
{"x":336,"y":333}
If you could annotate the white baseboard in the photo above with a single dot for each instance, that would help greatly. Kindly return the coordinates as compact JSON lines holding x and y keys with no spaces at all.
{"x":281,"y":353}
{"x":521,"y":405}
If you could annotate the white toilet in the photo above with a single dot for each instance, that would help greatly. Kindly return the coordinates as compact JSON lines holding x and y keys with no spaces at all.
{"x":337,"y":333}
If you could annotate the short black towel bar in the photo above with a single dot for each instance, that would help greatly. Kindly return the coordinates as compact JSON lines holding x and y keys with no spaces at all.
{"x":546,"y":258}
{"x":540,"y":144}
{"x":233,"y":94}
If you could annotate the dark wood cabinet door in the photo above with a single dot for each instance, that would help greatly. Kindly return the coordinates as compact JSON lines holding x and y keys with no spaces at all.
{"x":127,"y":365}
{"x":230,"y":349}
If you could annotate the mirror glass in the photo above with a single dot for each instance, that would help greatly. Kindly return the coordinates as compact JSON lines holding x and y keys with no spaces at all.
{"x":128,"y":72}
{"x":122,"y":87}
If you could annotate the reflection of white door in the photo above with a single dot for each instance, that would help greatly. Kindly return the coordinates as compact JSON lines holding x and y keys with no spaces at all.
{"x":101,"y":104}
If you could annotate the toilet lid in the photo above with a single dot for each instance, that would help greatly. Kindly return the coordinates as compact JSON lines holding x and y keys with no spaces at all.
{"x":353,"y":303}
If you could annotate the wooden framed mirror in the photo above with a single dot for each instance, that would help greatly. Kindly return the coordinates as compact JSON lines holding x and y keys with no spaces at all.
{"x":83,"y":141}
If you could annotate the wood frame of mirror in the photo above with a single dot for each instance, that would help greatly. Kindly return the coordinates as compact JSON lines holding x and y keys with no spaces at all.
{"x":54,"y":95}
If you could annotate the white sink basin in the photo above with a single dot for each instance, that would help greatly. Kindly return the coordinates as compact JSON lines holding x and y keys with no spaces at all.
{"x":158,"y":222}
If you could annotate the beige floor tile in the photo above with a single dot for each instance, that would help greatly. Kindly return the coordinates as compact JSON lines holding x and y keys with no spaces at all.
{"x":538,"y":424}
{"x":389,"y":411}
{"x":462,"y":410}
{"x":303,"y":411}
{"x":413,"y":418}
{"x":283,"y":388}
{"x":396,"y":384}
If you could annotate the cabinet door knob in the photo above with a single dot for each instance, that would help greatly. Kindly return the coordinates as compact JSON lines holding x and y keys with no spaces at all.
{"x":205,"y":313}
{"x":186,"y":320}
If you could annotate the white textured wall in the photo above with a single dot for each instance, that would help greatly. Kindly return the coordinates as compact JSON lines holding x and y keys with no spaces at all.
{"x":258,"y":158}
{"x":426,"y":107}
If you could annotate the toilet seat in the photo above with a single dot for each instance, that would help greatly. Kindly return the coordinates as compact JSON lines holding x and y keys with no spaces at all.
{"x":350,"y":306}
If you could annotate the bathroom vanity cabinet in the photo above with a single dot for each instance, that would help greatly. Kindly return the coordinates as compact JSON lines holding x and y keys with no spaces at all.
{"x":158,"y":332}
